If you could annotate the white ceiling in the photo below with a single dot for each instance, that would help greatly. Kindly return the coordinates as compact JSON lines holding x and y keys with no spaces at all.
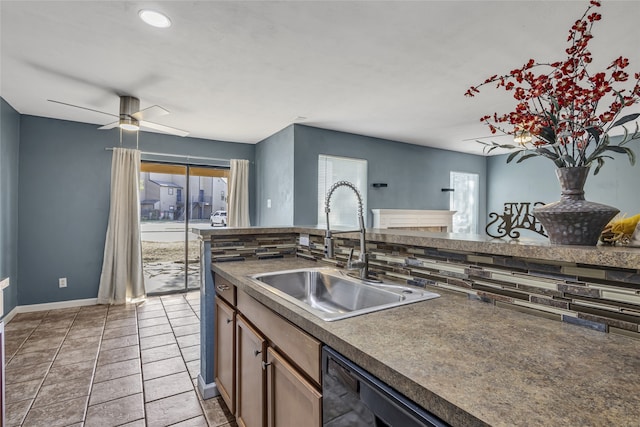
{"x":240,"y":71}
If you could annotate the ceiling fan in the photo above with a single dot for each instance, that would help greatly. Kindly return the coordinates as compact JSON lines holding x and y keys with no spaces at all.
{"x":131,"y":118}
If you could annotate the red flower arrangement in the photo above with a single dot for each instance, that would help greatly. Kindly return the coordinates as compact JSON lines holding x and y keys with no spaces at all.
{"x":558,"y":109}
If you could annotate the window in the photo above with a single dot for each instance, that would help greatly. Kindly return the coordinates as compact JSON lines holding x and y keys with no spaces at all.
{"x":464,"y":200}
{"x":344,"y":205}
{"x":170,"y":190}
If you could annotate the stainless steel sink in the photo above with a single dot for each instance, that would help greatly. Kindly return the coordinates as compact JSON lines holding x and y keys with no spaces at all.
{"x":331,"y":294}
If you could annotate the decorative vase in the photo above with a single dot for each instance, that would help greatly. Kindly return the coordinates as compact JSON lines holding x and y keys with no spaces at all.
{"x":574,"y":220}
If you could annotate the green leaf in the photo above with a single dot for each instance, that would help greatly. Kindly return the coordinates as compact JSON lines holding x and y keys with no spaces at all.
{"x":546,"y":153}
{"x":512,"y":156}
{"x":624,"y":150}
{"x":527,"y":156}
{"x":595,"y":134}
{"x":625,"y":119}
{"x":548,"y":135}
{"x":600,"y":161}
{"x":569,"y":160}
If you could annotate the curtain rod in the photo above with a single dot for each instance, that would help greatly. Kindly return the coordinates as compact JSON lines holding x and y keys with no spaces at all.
{"x":181,"y":156}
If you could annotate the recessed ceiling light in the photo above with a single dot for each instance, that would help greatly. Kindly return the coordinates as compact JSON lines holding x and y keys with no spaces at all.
{"x":154,"y":18}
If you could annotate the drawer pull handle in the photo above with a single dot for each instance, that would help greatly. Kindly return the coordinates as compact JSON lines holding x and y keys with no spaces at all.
{"x":264,"y":365}
{"x":222,"y":288}
{"x":256,"y":353}
{"x":229,"y":321}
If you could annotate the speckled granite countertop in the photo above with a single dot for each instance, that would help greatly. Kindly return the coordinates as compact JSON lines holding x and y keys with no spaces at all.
{"x":620,"y":257}
{"x":474,"y":364}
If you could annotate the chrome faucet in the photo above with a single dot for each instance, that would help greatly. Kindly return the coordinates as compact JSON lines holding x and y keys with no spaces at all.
{"x":362,"y":263}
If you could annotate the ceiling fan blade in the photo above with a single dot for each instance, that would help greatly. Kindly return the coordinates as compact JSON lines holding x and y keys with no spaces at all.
{"x":109,"y":126}
{"x":150,"y":113}
{"x":164,"y":129}
{"x":84,"y":108}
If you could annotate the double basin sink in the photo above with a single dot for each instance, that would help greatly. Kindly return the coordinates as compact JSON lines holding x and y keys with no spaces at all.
{"x":332,"y":294}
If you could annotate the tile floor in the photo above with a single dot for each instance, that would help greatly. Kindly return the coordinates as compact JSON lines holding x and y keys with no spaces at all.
{"x":133,"y":365}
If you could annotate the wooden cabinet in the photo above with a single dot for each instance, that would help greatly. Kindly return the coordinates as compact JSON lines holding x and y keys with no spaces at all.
{"x":292,"y":401}
{"x":251,"y":380}
{"x":268,"y":370}
{"x":224,"y":352}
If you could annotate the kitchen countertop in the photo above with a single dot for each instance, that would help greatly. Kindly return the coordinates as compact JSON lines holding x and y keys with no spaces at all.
{"x":475,"y":364}
{"x":609,"y":256}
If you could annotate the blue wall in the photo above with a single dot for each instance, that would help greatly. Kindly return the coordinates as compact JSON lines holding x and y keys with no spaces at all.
{"x":274,"y":179}
{"x":534,"y":180}
{"x":9,"y":155}
{"x":64,"y":201}
{"x":415,"y":174}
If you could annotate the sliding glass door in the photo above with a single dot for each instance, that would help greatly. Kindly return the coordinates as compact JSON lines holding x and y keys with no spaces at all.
{"x":174,"y":197}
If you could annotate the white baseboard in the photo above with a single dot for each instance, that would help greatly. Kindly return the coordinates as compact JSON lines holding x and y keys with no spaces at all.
{"x":6,"y":319}
{"x":52,"y":306}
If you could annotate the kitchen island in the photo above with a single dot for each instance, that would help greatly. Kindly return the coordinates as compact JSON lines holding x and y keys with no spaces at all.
{"x":472,"y":357}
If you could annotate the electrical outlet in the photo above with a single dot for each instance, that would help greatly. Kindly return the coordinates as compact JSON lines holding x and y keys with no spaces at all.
{"x":62,"y":282}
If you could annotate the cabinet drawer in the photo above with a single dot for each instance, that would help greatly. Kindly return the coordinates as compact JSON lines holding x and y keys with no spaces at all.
{"x":225,"y":290}
{"x":301,"y":348}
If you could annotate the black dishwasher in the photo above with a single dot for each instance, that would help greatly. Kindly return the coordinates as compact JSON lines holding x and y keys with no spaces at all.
{"x":353,"y":397}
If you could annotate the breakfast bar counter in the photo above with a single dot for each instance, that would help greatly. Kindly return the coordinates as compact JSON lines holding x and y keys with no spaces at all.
{"x":476,"y":355}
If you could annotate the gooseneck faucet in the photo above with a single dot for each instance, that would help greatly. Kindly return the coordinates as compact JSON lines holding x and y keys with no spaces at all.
{"x":363,"y":259}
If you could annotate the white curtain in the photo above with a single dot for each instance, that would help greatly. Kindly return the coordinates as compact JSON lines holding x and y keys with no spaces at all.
{"x":121,"y":277}
{"x":238,"y":215}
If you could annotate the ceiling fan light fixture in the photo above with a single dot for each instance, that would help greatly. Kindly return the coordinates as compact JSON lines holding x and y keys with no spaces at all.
{"x":154,"y":18}
{"x":129,"y":127}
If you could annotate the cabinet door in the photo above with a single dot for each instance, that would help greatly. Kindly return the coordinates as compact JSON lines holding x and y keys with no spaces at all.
{"x":251,"y":378}
{"x":224,"y":358}
{"x":292,"y":401}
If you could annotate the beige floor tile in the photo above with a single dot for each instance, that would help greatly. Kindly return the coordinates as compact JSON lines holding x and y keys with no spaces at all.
{"x":15,"y":325}
{"x":216,"y":412}
{"x":115,"y":389}
{"x":194,"y":368}
{"x":22,"y":391}
{"x":163,"y":367}
{"x":173,"y":409}
{"x":62,"y":391}
{"x":112,"y":371}
{"x":118,"y":355}
{"x":191,"y":353}
{"x":126,"y":341}
{"x":120,"y":332}
{"x":88,"y":323}
{"x":157,"y":341}
{"x":18,"y":374}
{"x":34,"y":344}
{"x":188,"y":340}
{"x":15,"y":412}
{"x":26,"y":317}
{"x":178,"y":331}
{"x":55,"y":323}
{"x":79,"y":332}
{"x":58,"y":414}
{"x":61,"y":373}
{"x":119,"y":315}
{"x":180,"y":313}
{"x":71,"y":356}
{"x":183,"y":306}
{"x":200,"y":421}
{"x":120,"y":323}
{"x":159,"y":353}
{"x":32,"y":358}
{"x":183,"y":321}
{"x":150,"y":314}
{"x":137,"y":423}
{"x":166,"y":386}
{"x":115,"y":412}
{"x":70,"y":344}
{"x":155,"y":330}
{"x":154,"y":321}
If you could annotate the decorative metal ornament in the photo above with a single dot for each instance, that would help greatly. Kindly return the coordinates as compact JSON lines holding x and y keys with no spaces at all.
{"x":515,"y":216}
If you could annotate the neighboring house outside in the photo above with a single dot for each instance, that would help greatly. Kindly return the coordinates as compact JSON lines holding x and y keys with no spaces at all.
{"x":163,"y":196}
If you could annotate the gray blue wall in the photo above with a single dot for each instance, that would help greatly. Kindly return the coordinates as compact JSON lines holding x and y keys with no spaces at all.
{"x":64,"y":201}
{"x":534,"y":180}
{"x":274,"y":179}
{"x":415,"y":174}
{"x":9,"y":155}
